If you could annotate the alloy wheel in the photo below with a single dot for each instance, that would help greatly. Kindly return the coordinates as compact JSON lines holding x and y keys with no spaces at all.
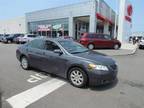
{"x":91,"y":46}
{"x":77,"y":78}
{"x":24,"y":63}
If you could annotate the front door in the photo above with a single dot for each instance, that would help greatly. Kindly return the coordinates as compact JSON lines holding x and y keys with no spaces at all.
{"x":54,"y":62}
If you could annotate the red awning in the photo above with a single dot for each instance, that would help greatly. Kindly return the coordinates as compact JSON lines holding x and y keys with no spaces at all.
{"x":103,"y":18}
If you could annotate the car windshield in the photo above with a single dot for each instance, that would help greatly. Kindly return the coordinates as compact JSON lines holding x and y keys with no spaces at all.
{"x":73,"y":47}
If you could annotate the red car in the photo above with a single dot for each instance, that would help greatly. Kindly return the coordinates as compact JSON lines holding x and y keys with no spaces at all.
{"x":93,"y":40}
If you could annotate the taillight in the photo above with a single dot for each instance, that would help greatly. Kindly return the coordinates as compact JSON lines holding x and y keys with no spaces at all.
{"x":83,"y":39}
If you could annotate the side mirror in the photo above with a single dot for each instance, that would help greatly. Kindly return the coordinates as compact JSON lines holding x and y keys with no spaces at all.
{"x":58,"y":51}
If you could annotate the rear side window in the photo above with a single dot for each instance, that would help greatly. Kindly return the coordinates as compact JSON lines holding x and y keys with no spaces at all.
{"x":31,"y":36}
{"x":37,"y":43}
{"x":107,"y":37}
{"x":91,"y":36}
{"x":101,"y":36}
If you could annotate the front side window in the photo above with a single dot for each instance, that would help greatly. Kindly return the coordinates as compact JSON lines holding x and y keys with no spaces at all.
{"x":39,"y":44}
{"x":73,"y":47}
{"x":51,"y":46}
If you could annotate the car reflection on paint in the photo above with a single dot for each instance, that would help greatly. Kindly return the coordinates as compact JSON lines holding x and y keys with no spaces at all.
{"x":68,"y":59}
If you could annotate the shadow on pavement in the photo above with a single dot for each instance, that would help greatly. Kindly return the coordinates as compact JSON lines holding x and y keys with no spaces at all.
{"x":94,"y":88}
{"x":105,"y":87}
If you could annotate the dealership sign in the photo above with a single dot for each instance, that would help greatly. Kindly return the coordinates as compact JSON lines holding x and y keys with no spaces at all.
{"x":129,"y":11}
{"x":58,"y":26}
{"x":44,"y":27}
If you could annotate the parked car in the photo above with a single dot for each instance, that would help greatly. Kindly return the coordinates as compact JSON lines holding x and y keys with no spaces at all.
{"x":68,"y":59}
{"x":26,"y":38}
{"x":1,"y":35}
{"x":15,"y":36}
{"x":16,"y":39}
{"x":93,"y":40}
{"x":141,"y":44}
{"x":11,"y":38}
{"x":3,"y":38}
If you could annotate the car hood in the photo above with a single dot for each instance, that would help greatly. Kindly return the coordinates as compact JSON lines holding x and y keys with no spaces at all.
{"x":96,"y":57}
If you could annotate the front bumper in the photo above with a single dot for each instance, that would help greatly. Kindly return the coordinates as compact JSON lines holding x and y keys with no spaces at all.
{"x":97,"y":78}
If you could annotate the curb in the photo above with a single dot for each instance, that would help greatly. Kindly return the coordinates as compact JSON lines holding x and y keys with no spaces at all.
{"x":128,"y":53}
{"x":132,"y":53}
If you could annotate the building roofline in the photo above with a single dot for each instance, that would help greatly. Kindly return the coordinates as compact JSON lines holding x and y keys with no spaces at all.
{"x":57,"y":7}
{"x":67,"y":5}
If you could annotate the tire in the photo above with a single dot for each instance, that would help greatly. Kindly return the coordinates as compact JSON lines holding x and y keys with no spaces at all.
{"x":116,"y":47}
{"x":6,"y":41}
{"x":91,"y":46}
{"x":9,"y":41}
{"x":77,"y":77}
{"x":24,"y":63}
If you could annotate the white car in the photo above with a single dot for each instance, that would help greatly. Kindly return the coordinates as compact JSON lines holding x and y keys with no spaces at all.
{"x":26,"y":38}
{"x":141,"y":44}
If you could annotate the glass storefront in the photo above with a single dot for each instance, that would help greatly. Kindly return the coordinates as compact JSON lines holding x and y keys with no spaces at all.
{"x":49,"y":28}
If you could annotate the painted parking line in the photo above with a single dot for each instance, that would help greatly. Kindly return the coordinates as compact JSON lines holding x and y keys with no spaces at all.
{"x":32,"y":95}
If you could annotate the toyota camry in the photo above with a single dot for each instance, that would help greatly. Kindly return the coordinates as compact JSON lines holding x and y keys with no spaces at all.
{"x":68,"y":59}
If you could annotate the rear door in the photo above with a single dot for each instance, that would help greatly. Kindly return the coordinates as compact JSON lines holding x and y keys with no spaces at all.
{"x":36,"y":51}
{"x":98,"y":40}
{"x":94,"y":39}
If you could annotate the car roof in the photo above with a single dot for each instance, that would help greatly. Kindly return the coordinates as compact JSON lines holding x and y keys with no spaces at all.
{"x":96,"y":33}
{"x":55,"y":39}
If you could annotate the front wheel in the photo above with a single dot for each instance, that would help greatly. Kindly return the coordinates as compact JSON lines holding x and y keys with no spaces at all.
{"x":77,"y":77}
{"x":24,"y":63}
{"x":116,"y":46}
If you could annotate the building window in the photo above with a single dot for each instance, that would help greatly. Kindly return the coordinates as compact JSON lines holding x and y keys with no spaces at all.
{"x":49,"y":28}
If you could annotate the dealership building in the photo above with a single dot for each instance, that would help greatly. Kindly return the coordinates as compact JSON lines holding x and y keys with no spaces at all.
{"x":73,"y":20}
{"x":94,"y":16}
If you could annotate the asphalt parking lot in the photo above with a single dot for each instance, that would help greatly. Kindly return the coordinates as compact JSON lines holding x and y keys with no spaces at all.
{"x":35,"y":89}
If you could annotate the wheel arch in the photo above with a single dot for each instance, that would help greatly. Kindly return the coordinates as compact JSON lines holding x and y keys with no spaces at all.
{"x":22,"y":55}
{"x":76,"y":66}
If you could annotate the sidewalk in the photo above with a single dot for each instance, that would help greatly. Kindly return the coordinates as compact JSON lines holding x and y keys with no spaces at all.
{"x":126,"y":49}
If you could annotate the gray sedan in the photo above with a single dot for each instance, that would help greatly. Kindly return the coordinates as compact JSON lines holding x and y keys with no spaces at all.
{"x":69,"y":60}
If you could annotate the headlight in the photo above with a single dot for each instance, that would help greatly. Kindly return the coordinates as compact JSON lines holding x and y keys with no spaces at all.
{"x":98,"y":67}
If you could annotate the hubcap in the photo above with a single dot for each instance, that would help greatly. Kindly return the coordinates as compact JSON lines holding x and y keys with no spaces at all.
{"x":91,"y":46}
{"x":24,"y":63}
{"x":76,"y":77}
{"x":116,"y":46}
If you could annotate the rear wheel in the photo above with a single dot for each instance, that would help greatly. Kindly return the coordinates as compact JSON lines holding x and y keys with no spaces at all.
{"x":24,"y":63}
{"x":91,"y":46}
{"x":77,"y":77}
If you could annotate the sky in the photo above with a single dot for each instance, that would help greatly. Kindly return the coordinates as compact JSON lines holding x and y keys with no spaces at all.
{"x":16,"y":8}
